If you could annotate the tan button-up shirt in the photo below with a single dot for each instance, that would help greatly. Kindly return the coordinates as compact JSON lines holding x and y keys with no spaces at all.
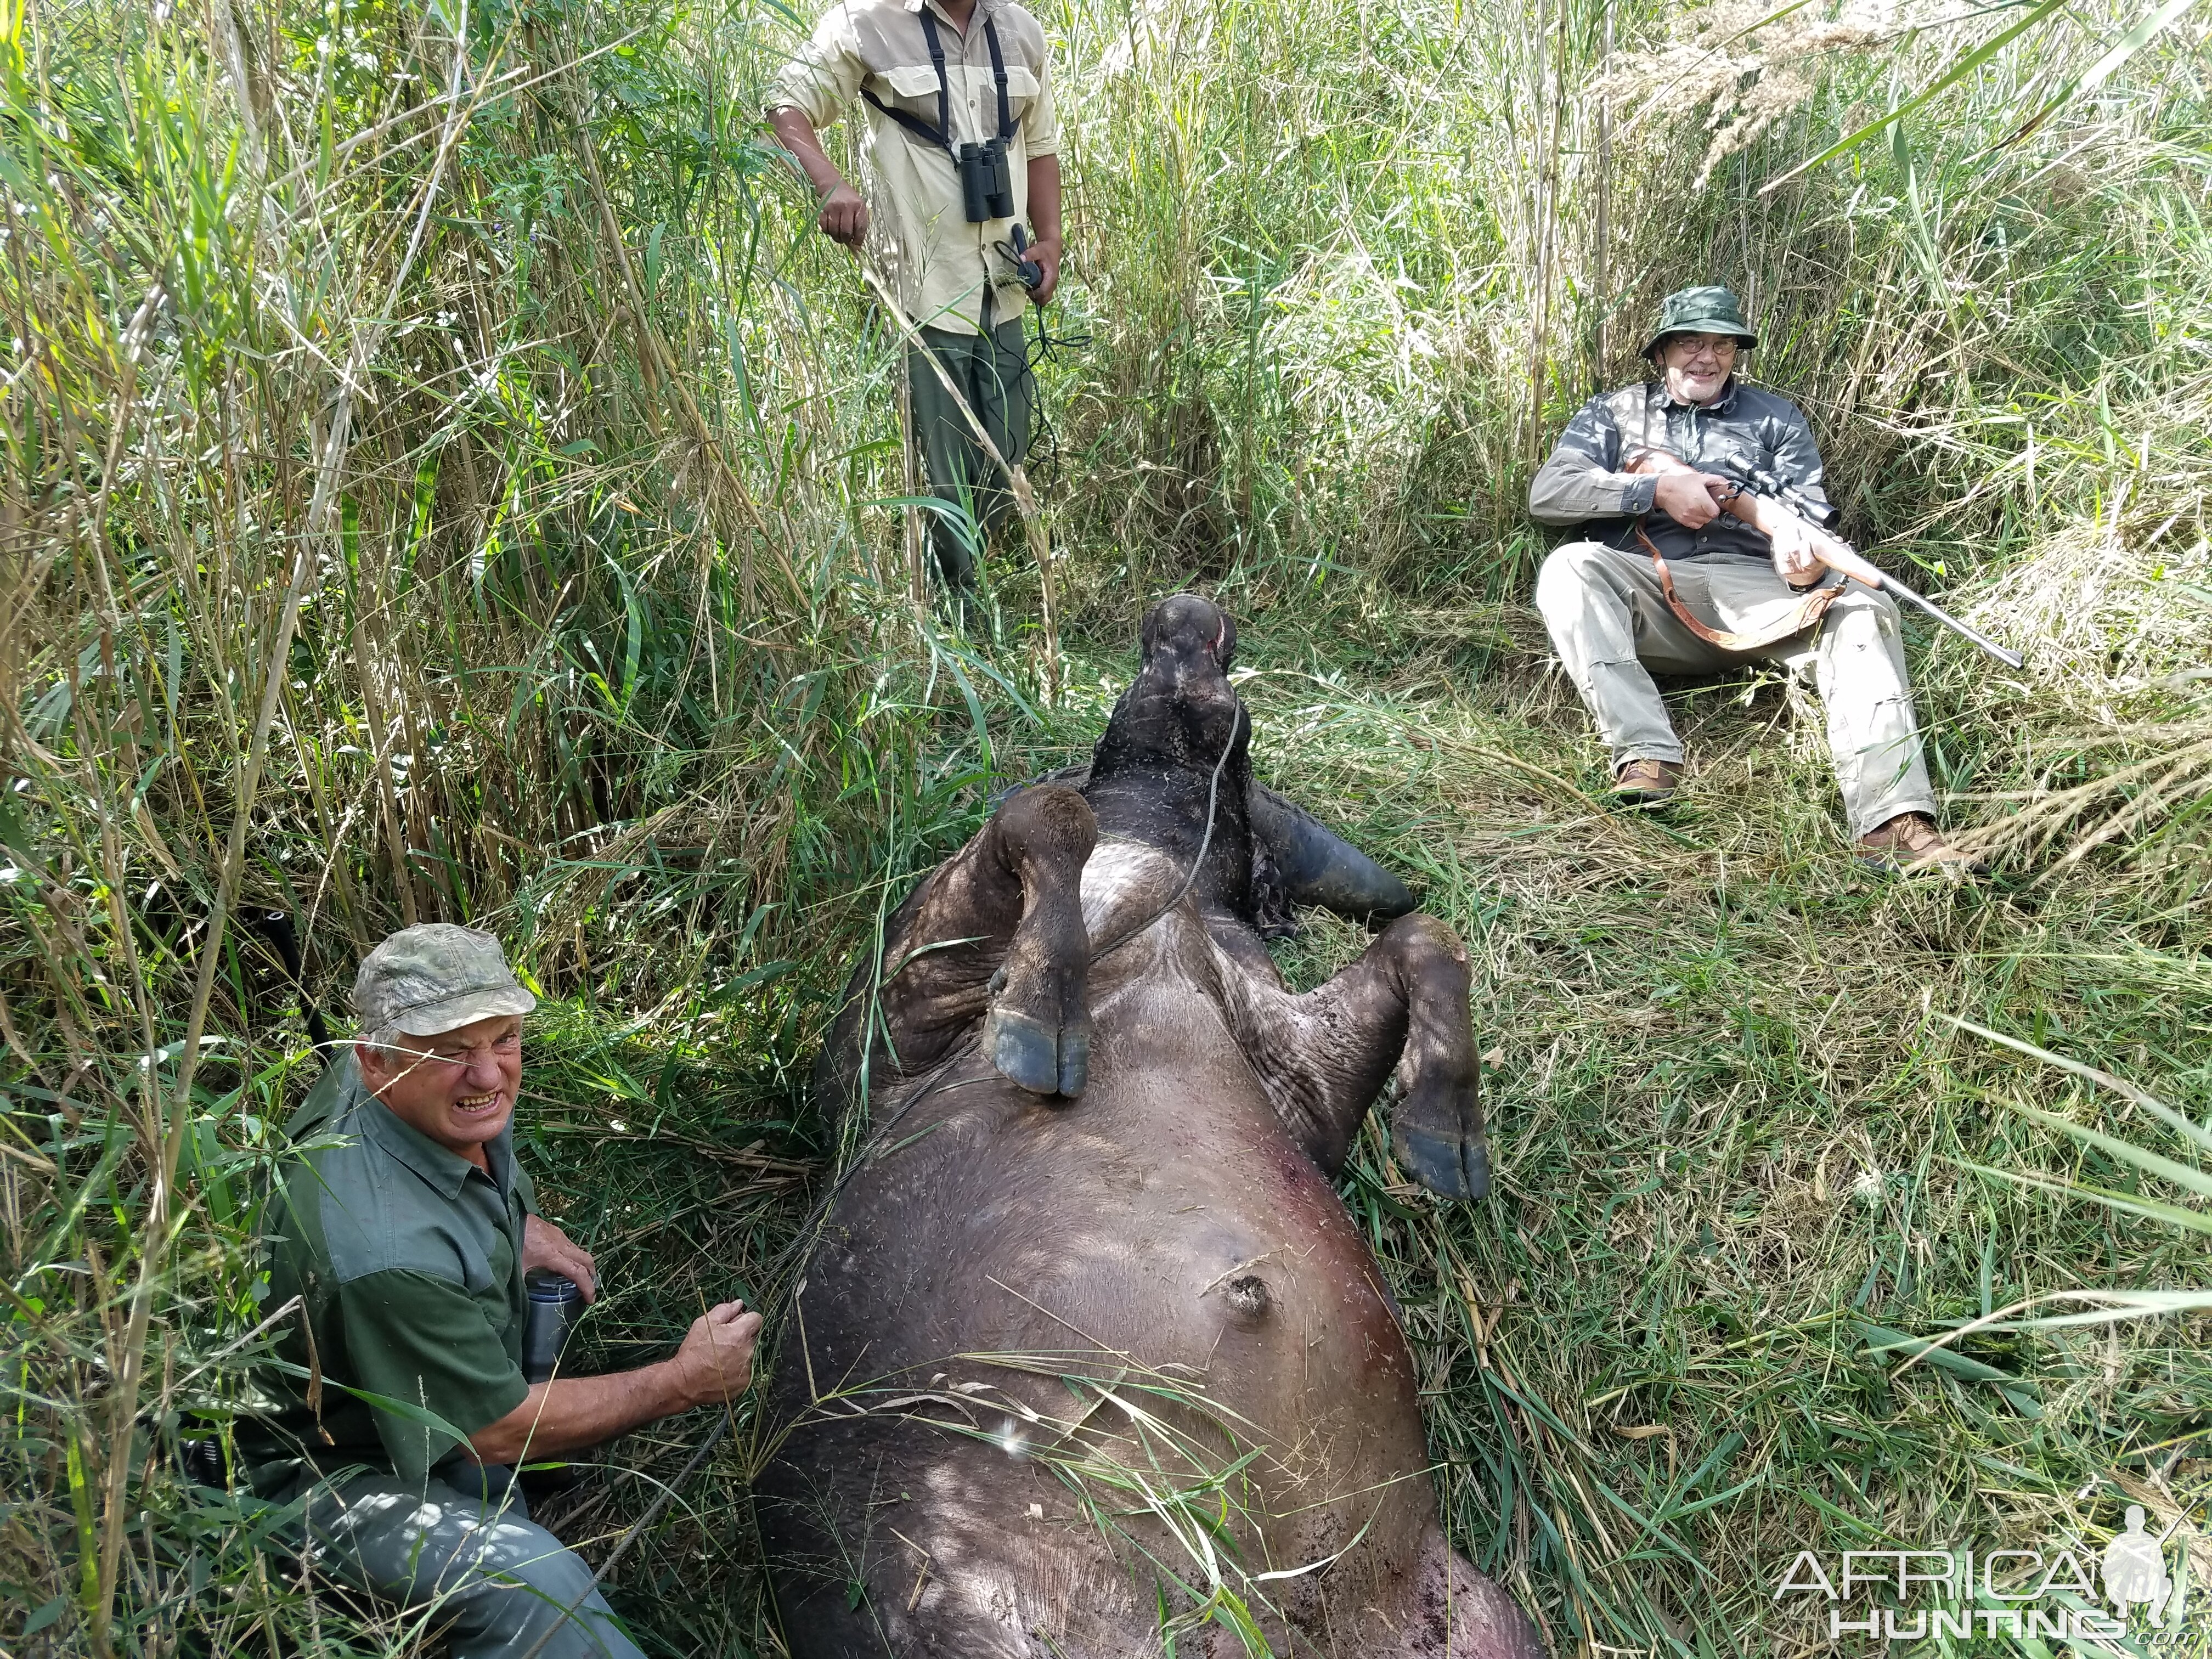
{"x":940,"y":265}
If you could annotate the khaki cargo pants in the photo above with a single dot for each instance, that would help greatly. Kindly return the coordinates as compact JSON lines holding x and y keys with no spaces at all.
{"x":1612,"y":626}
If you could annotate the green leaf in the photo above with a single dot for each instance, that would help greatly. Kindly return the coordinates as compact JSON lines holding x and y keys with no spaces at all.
{"x":2150,"y":1102}
{"x":1882,"y":1341}
{"x":45,"y":1616}
{"x":13,"y":835}
{"x":349,"y":531}
{"x":1958,"y":72}
{"x":2124,"y":1304}
{"x":2104,"y":68}
{"x":2153,"y":1209}
{"x":760,"y":975}
{"x":2150,"y":1163}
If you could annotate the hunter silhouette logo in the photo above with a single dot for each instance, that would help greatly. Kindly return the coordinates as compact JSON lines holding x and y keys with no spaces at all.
{"x":2028,"y":1595}
{"x":2134,"y":1568}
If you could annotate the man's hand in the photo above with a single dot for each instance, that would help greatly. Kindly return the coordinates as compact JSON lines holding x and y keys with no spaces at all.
{"x":1793,"y":550}
{"x":1689,"y":498}
{"x":844,"y":215}
{"x":1792,"y":544}
{"x":713,"y":1364}
{"x":715,"y":1360}
{"x":544,"y":1245}
{"x":1044,"y":216}
{"x":1047,"y":255}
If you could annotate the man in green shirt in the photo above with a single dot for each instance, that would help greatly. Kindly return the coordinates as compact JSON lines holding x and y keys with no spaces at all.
{"x":404,"y":1226}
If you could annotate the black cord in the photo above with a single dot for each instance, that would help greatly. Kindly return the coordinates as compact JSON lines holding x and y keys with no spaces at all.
{"x":1044,"y":440}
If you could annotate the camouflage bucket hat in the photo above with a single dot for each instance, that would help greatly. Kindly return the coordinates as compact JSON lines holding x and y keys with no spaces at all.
{"x":1701,"y":311}
{"x":434,"y":978}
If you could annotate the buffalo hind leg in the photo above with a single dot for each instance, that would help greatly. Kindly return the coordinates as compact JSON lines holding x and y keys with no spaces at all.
{"x":1323,"y":1056}
{"x":998,"y":930}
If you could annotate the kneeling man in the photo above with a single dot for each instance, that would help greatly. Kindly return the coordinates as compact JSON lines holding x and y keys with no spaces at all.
{"x":1679,"y":568}
{"x":403,"y":1223}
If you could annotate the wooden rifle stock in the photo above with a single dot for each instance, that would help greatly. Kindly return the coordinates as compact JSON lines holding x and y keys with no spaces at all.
{"x":1834,"y":552}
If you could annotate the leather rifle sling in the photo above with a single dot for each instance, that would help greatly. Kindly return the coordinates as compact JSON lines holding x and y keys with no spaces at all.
{"x":1808,"y":610}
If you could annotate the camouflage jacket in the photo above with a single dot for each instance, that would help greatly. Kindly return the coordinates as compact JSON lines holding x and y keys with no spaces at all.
{"x":1744,"y":431}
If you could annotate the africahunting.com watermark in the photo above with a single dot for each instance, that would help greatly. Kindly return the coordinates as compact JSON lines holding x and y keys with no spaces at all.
{"x":2066,"y":1594}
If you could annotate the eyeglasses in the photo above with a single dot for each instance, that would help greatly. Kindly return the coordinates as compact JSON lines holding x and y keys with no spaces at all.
{"x":1690,"y":348}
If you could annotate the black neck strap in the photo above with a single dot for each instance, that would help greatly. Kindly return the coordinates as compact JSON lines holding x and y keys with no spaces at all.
{"x":998,"y":74}
{"x":943,"y":82}
{"x":940,"y":135}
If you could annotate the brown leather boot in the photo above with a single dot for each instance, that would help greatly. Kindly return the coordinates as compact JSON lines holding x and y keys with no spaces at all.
{"x":1646,"y":783}
{"x":1911,"y":841}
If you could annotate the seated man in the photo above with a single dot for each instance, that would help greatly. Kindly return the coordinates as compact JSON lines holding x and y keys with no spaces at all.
{"x":1660,"y":472}
{"x":404,"y":1225}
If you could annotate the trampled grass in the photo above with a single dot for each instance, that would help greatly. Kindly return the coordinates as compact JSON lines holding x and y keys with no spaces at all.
{"x":1735,"y":1142}
{"x":605,"y":637}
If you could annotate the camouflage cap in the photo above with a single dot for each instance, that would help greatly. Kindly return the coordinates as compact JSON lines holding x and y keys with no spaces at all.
{"x":1701,"y":311}
{"x":434,"y":978}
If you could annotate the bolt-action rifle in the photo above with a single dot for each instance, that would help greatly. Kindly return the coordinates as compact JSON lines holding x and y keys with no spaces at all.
{"x":1838,"y":555}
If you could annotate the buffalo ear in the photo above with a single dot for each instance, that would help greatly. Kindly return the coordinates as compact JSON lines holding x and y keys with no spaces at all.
{"x":1227,"y":654}
{"x":1315,"y":866}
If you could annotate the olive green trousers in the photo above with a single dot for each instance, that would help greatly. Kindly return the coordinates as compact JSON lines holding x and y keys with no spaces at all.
{"x":991,"y":372}
{"x":498,"y":1584}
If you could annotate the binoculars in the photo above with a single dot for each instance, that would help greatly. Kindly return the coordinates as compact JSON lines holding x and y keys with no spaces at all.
{"x":987,"y":185}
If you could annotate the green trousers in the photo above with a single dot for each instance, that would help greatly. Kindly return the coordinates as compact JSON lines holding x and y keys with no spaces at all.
{"x":498,"y":1583}
{"x":992,"y":371}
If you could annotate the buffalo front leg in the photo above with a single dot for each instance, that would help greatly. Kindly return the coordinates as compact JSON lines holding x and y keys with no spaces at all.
{"x":1323,"y":1057}
{"x":998,"y":930}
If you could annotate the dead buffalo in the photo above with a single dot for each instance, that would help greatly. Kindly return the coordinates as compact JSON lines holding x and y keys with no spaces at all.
{"x":1087,"y":1355}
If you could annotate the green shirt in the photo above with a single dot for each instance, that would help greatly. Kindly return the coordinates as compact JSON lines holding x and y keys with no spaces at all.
{"x":408,"y":1262}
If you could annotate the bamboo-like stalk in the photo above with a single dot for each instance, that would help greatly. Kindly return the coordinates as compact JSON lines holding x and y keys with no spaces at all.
{"x":912,"y":536}
{"x":169,"y":1138}
{"x":1602,"y":248}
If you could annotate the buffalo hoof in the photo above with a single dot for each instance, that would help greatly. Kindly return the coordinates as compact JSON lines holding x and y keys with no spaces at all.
{"x":1040,"y":1058}
{"x":1454,"y":1165}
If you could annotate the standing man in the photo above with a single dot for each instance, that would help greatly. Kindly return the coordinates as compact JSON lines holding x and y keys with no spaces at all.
{"x":960,"y":145}
{"x":1678,"y":567}
{"x":398,"y":1410}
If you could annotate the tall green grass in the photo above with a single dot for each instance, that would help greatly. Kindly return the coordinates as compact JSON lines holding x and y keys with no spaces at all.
{"x":446,"y":479}
{"x":424,"y":502}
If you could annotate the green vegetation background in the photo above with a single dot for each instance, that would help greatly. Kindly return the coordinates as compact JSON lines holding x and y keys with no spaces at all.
{"x":446,"y":479}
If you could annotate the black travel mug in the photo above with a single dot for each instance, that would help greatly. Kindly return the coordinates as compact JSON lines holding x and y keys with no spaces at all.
{"x":555,"y":1304}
